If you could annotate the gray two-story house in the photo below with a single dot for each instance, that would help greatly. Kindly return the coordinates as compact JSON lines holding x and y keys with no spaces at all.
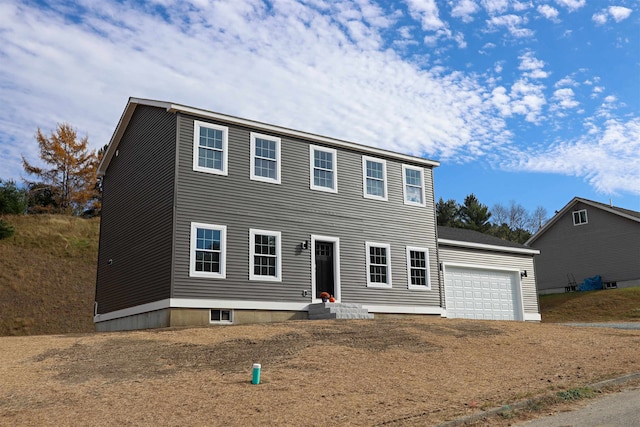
{"x":211,"y":218}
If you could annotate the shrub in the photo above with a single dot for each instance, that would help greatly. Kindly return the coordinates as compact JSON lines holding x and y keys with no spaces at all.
{"x":6,"y":229}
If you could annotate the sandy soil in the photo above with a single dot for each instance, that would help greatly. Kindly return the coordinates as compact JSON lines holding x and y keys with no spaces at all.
{"x":391,"y":372}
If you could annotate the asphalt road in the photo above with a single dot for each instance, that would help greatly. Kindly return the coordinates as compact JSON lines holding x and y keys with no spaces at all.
{"x":614,"y":410}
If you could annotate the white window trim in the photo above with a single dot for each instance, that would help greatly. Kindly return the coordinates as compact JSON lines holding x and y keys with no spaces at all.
{"x":252,"y":252}
{"x":364,"y":177}
{"x":223,"y":251}
{"x":426,"y":259}
{"x":312,"y":185}
{"x":196,"y":144}
{"x":368,"y":246}
{"x":278,"y":160}
{"x":586,"y":218}
{"x":404,"y":185}
{"x":221,"y":322}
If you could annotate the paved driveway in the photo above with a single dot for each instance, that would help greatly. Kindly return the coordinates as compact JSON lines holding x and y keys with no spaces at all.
{"x":618,"y":325}
{"x":614,"y":410}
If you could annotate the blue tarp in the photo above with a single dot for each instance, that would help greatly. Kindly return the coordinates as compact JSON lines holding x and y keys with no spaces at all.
{"x":591,"y":284}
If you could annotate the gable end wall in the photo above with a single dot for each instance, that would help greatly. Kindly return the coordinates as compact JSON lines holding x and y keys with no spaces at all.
{"x":137,"y":217}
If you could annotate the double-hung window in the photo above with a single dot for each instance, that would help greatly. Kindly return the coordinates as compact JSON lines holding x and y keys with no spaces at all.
{"x":210,"y":145}
{"x":374,"y":178}
{"x":413,"y":185}
{"x":265,"y":261}
{"x":580,"y":217}
{"x":418,"y":268}
{"x":208,"y":250}
{"x":378,"y":265}
{"x":265,"y":158}
{"x":323,"y":166}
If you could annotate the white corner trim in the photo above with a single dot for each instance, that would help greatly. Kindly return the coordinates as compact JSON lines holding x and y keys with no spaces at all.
{"x":496,"y":248}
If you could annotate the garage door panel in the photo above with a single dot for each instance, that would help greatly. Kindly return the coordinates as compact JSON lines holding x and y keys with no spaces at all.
{"x":481,"y":294}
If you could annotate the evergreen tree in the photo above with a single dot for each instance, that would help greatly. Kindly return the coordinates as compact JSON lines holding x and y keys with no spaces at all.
{"x":448,"y":213}
{"x":71,"y":181}
{"x":13,"y":200}
{"x":474,"y":215}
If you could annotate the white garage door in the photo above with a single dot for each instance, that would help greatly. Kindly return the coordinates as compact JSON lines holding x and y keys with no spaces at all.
{"x":481,"y":294}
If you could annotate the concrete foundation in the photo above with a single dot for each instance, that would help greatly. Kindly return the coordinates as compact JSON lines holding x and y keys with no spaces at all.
{"x":181,"y":317}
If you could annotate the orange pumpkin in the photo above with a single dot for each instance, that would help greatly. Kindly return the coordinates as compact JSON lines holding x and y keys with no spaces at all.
{"x":332,"y":299}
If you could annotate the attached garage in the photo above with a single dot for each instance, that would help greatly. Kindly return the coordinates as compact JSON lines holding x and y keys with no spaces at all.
{"x":478,"y":293}
{"x":486,"y":277}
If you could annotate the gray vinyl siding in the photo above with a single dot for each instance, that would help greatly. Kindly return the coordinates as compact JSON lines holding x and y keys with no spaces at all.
{"x":298,"y":212}
{"x":608,"y":245}
{"x":137,"y":215}
{"x":488,"y":259}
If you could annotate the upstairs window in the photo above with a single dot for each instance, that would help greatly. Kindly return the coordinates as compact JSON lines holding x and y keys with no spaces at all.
{"x":264,"y":257}
{"x":580,"y":217}
{"x":323,"y":167}
{"x":374,"y":178}
{"x":413,"y":185}
{"x":418,"y":268}
{"x":265,"y":158}
{"x":378,"y":265}
{"x":210,"y":144}
{"x":208,"y":250}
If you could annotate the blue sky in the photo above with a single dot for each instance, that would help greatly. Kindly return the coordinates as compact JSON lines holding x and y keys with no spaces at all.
{"x":533,"y":101}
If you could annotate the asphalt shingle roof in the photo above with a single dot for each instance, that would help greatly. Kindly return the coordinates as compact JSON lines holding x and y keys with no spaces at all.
{"x":464,"y":235}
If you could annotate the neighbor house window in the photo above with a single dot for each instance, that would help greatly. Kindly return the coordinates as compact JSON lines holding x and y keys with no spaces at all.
{"x":210,"y":144}
{"x":221,"y":316}
{"x":374,"y":177}
{"x":378,"y":265}
{"x":323,"y":167}
{"x":413,"y":185}
{"x":265,"y":158}
{"x":418,"y":268}
{"x":264,"y":255}
{"x":208,"y":250}
{"x":580,"y":217}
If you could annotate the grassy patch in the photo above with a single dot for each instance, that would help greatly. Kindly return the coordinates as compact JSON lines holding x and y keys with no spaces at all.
{"x":593,"y":306}
{"x":576,"y":394}
{"x":47,"y":275}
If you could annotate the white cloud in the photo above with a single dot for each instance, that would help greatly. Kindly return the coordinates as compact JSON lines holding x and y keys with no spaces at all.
{"x":293,"y":66}
{"x":527,"y":99}
{"x":512,"y":23}
{"x":619,"y":13}
{"x":572,"y":5}
{"x":599,"y":18}
{"x":532,"y":66}
{"x":565,"y":98}
{"x":495,"y":6}
{"x":426,"y":11}
{"x":549,"y":12}
{"x":566,"y":81}
{"x":464,"y":9}
{"x":605,"y":157}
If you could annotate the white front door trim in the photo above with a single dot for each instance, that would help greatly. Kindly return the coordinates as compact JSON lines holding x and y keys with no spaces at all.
{"x":336,"y":265}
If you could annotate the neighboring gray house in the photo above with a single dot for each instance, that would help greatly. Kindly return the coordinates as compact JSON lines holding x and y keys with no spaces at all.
{"x":586,"y":239}
{"x":486,"y":277}
{"x":209,"y":218}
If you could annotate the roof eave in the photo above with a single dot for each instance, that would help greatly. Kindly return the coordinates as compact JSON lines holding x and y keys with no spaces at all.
{"x":496,"y":248}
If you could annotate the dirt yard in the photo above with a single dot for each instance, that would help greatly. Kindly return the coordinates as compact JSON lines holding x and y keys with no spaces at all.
{"x":392,"y":372}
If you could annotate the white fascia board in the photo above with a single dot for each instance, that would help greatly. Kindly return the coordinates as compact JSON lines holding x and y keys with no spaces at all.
{"x":402,"y":309}
{"x":483,"y":246}
{"x":302,"y":135}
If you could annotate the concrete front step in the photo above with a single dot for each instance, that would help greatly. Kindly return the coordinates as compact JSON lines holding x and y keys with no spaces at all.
{"x":336,"y":310}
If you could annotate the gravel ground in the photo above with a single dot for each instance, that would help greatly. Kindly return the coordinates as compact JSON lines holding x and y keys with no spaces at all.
{"x":622,"y":325}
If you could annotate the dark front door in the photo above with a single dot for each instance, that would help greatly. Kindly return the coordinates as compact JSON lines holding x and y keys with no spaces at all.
{"x":324,"y":268}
